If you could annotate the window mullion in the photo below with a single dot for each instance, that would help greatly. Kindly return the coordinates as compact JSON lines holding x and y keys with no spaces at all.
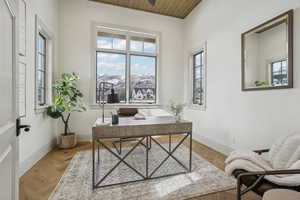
{"x":127,"y":75}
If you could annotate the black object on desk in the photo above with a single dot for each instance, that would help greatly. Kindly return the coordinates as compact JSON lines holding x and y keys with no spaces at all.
{"x":115,"y":119}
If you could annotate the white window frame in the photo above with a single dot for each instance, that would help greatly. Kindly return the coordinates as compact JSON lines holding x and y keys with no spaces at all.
{"x":194,"y":52}
{"x":269,"y":67}
{"x":41,"y":28}
{"x":128,"y":31}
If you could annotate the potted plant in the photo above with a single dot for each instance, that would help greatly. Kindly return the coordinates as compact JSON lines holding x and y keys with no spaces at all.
{"x":177,"y":110}
{"x":67,"y":99}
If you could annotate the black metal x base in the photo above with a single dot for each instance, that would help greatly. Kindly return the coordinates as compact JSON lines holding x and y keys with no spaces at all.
{"x":148,"y":174}
{"x":122,"y":140}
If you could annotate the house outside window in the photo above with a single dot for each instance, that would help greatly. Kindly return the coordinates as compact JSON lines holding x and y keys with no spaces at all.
{"x":129,"y":60}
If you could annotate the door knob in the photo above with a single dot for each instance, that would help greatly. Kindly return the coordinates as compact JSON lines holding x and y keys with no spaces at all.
{"x":19,"y":127}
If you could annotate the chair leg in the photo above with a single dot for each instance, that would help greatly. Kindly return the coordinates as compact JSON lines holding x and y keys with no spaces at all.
{"x":98,"y":154}
{"x":238,"y":189}
{"x":120,"y":150}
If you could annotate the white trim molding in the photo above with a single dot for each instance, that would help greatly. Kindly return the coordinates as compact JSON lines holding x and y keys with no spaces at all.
{"x":117,"y":29}
{"x":35,"y":157}
{"x":226,"y":150}
{"x":42,"y":28}
{"x":190,"y":76}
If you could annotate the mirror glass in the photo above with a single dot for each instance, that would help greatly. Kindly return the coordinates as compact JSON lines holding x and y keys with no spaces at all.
{"x":267,"y":55}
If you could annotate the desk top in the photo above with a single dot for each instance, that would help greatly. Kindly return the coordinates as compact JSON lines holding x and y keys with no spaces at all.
{"x":129,"y":127}
{"x":130,"y":121}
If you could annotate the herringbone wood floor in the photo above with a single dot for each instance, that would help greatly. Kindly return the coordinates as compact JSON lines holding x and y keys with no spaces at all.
{"x":39,"y":182}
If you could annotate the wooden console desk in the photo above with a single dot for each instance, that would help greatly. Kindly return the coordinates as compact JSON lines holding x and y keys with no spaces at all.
{"x":143,"y":130}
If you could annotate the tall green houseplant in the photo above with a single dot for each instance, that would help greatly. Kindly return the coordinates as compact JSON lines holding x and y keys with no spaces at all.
{"x":67,"y":99}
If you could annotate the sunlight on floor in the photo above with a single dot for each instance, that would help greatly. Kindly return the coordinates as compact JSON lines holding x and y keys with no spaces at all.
{"x":175,"y":183}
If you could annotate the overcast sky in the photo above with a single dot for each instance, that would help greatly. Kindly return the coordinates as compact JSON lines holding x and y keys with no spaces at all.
{"x":114,"y":64}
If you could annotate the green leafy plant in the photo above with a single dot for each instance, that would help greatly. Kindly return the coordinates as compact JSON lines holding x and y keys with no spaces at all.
{"x":67,"y":99}
{"x":177,"y":109}
{"x":260,"y":83}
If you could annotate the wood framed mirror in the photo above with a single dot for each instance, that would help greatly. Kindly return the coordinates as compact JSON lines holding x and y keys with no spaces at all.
{"x":267,"y":55}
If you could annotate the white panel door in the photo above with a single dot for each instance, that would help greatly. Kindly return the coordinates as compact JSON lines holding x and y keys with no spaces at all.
{"x":8,"y":140}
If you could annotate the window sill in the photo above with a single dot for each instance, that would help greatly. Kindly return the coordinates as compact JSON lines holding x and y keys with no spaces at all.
{"x":40,"y":109}
{"x":197,"y":107}
{"x":115,"y":106}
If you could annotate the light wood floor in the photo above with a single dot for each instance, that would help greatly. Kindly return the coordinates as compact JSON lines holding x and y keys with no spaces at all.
{"x":39,"y":181}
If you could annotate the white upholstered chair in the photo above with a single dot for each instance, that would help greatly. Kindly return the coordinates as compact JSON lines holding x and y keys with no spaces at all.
{"x":280,"y":169}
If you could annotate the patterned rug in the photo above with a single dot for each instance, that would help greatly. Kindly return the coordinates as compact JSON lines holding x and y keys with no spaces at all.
{"x":76,"y":183}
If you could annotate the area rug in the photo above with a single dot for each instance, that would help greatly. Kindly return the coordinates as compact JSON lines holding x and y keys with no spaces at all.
{"x":76,"y":183}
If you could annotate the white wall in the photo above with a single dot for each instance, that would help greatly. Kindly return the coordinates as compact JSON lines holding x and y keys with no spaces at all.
{"x":75,"y":53}
{"x":236,"y":119}
{"x":36,"y":143}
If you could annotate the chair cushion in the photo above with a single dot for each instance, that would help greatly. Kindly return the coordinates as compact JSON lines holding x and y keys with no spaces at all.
{"x":280,"y":194}
{"x":285,"y":152}
{"x":253,"y":162}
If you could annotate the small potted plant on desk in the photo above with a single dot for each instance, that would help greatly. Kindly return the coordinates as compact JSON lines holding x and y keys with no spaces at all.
{"x":177,"y":110}
{"x":67,"y":99}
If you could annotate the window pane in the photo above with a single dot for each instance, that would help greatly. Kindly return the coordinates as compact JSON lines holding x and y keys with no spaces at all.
{"x":104,"y":42}
{"x":41,"y":70}
{"x":41,"y":62}
{"x":41,"y":44}
{"x":41,"y":96}
{"x":284,"y":67}
{"x":142,"y":79}
{"x":136,"y":45}
{"x":198,"y":93}
{"x":198,"y":59}
{"x":284,"y":63}
{"x":111,"y":41}
{"x":119,"y":44}
{"x":276,"y":67}
{"x":197,"y":83}
{"x":279,"y":73}
{"x":40,"y":79}
{"x":142,"y":44}
{"x":198,"y":73}
{"x":111,"y":68}
{"x":202,"y":58}
{"x":149,"y":47}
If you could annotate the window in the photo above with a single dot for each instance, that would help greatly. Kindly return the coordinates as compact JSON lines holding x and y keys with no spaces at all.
{"x":41,"y":70}
{"x":279,"y":73}
{"x":142,"y":79}
{"x":43,"y":65}
{"x":111,"y":41}
{"x":111,"y":67}
{"x":140,"y":44}
{"x":128,"y":60}
{"x":199,"y":78}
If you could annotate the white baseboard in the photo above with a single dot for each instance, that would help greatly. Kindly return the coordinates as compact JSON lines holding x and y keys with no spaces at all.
{"x":34,"y":158}
{"x":84,"y":138}
{"x":226,"y":150}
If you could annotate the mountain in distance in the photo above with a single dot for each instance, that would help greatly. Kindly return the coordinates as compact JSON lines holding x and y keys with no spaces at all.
{"x":142,"y":86}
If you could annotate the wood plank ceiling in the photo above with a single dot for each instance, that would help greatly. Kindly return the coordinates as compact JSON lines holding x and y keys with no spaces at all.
{"x":174,"y":8}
